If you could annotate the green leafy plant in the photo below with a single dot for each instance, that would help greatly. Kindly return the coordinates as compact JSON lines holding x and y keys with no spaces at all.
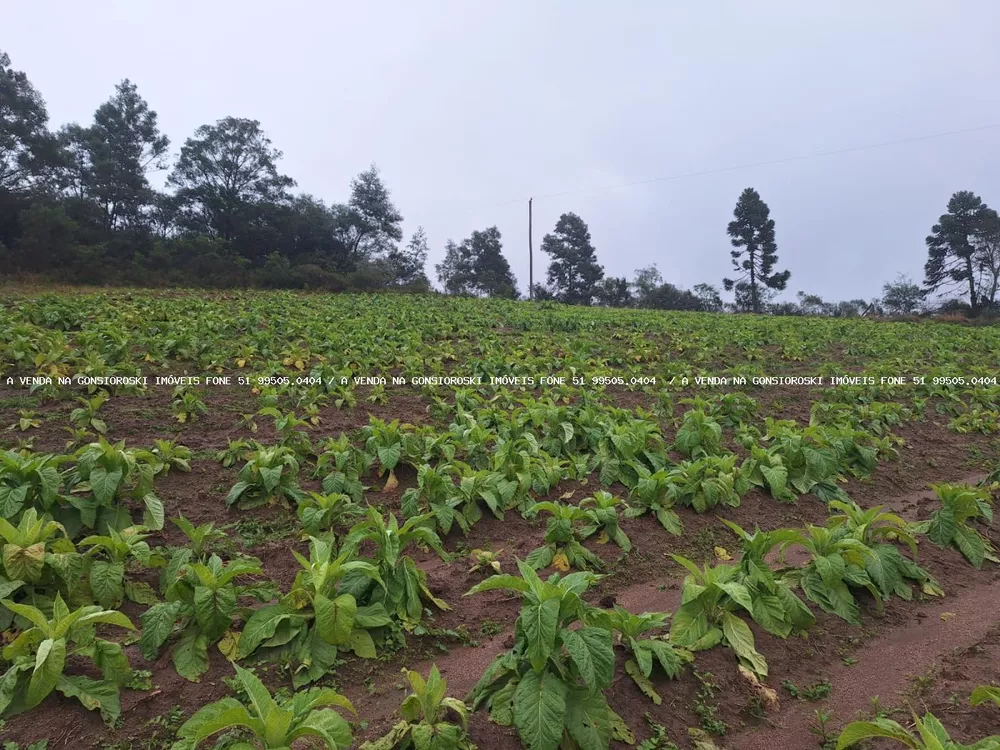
{"x":321,"y":513}
{"x":561,"y":546}
{"x":342,"y":465}
{"x":931,"y":735}
{"x":707,"y":616}
{"x":889,"y":570}
{"x":38,"y":658}
{"x":38,"y":554}
{"x":171,"y":455}
{"x":425,"y":724}
{"x":405,"y":584}
{"x":29,"y":481}
{"x":187,"y":404}
{"x":707,"y":482}
{"x":654,"y":492}
{"x":27,"y":419}
{"x":307,"y":714}
{"x":950,"y":526}
{"x":838,"y":563}
{"x":201,"y":602}
{"x":637,"y":634}
{"x":551,"y":684}
{"x":773,"y":602}
{"x":699,"y":435}
{"x":85,"y":416}
{"x":318,"y":615}
{"x":200,"y":538}
{"x":105,"y":472}
{"x":269,"y":476}
{"x":106,"y":561}
{"x":602,"y":513}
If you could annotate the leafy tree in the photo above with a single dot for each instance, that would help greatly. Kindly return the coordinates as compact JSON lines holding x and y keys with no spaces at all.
{"x":27,"y":148}
{"x":753,"y":230}
{"x":369,"y":224}
{"x":225,"y":172}
{"x":709,"y":297}
{"x":902,"y":296}
{"x":477,"y":267}
{"x":407,"y":265}
{"x":614,"y":292}
{"x":574,"y":271}
{"x":670,"y":297}
{"x":113,"y":156}
{"x":645,"y":282}
{"x":959,"y":245}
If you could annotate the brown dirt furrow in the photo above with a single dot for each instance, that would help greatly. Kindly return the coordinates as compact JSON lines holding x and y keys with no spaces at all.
{"x":934,"y":631}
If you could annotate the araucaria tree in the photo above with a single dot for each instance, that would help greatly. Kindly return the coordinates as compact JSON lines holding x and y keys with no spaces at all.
{"x":752,"y":233}
{"x":962,"y":250}
{"x":477,"y":267}
{"x":574,"y":272}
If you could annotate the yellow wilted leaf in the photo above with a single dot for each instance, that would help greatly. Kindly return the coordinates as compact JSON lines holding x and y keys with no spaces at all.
{"x":148,"y":358}
{"x":566,"y":495}
{"x":300,"y":365}
{"x":241,"y":363}
{"x":722,"y":554}
{"x":947,"y":616}
{"x":391,"y":483}
{"x":228,"y":644}
{"x":560,"y":562}
{"x":286,"y":361}
{"x":602,"y":538}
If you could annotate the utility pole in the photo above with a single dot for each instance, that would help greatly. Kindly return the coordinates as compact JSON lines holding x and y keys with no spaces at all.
{"x":531,"y":260}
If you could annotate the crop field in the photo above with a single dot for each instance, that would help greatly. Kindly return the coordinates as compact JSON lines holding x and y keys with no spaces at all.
{"x":274,"y":518}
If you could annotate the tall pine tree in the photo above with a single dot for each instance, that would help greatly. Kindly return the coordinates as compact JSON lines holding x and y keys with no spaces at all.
{"x":574,"y":273}
{"x":961,"y":249}
{"x":752,"y":233}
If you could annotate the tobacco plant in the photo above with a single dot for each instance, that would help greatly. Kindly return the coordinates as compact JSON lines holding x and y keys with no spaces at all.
{"x":562,"y":547}
{"x":425,"y":713}
{"x":318,"y":616}
{"x":307,"y":715}
{"x":550,"y":684}
{"x":952,"y":524}
{"x":39,"y":656}
{"x":200,"y":605}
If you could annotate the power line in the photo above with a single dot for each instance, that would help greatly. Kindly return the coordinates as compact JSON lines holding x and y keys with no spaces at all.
{"x":769,"y":162}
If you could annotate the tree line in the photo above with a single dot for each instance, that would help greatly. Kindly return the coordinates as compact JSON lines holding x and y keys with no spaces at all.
{"x":77,"y":205}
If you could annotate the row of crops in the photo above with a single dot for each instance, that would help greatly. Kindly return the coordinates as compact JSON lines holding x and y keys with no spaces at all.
{"x":83,"y":527}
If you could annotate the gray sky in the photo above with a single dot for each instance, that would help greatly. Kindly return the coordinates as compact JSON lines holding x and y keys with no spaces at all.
{"x":470,"y":107}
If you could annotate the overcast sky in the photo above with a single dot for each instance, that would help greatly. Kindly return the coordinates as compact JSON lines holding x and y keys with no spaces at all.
{"x":469,"y":108}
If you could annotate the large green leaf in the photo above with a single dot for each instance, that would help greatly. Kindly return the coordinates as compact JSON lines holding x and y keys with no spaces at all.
{"x":587,"y":720}
{"x":213,"y":610}
{"x":153,"y":513}
{"x":50,"y":659}
{"x":540,"y":623}
{"x":100,"y":694}
{"x":157,"y":624}
{"x":262,"y":625}
{"x":970,"y":544}
{"x":12,"y":499}
{"x":190,"y":655}
{"x":602,"y":654}
{"x":107,"y":582}
{"x":540,"y":710}
{"x":335,"y":617}
{"x":104,"y":484}
{"x":854,"y":733}
{"x":740,"y":638}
